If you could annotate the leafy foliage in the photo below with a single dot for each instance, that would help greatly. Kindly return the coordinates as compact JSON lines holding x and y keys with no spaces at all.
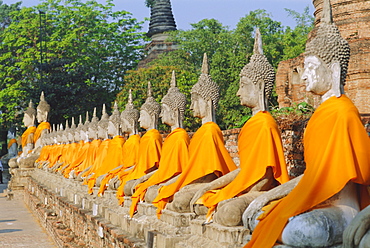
{"x":229,"y":50}
{"x":85,"y":48}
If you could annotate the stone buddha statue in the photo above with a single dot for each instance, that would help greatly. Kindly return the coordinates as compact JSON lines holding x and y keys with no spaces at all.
{"x":92,"y":132}
{"x":319,"y":206}
{"x":74,"y":169}
{"x":12,"y":147}
{"x":129,"y":125}
{"x":100,"y":128}
{"x":206,"y":143}
{"x":262,"y":161}
{"x":174,"y":150}
{"x":114,"y":156}
{"x":149,"y":149}
{"x":28,"y":135}
{"x":43,"y":110}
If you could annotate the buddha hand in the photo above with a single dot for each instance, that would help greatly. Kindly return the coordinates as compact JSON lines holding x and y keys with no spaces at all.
{"x":355,"y":231}
{"x":198,"y":195}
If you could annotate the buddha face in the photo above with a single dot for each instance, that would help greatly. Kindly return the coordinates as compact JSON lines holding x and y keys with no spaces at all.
{"x":112,"y":130}
{"x":102,"y":132}
{"x":77,"y":136}
{"x":316,"y":75}
{"x":126,"y":126}
{"x":41,"y":116}
{"x":27,"y":120}
{"x":145,"y":119}
{"x":92,"y":133}
{"x":199,"y":106}
{"x":168,"y":115}
{"x":248,"y":92}
{"x":83,"y":135}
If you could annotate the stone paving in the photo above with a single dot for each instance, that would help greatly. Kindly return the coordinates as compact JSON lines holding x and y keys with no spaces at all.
{"x":18,"y":227}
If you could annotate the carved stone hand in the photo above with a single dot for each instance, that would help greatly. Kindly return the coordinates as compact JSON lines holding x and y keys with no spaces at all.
{"x":356,"y":230}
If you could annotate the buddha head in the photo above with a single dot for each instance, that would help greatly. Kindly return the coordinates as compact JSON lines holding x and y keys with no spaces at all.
{"x":103,"y":124}
{"x":173,"y":105}
{"x":42,"y":109}
{"x":59,"y":133}
{"x":93,"y":127}
{"x":326,"y":58}
{"x":114,"y":121}
{"x":78,"y":129}
{"x":71,"y":133}
{"x":130,"y":117}
{"x":65,"y":133}
{"x":149,"y":112}
{"x":205,"y":95}
{"x":256,"y":79}
{"x":85,"y":128}
{"x":29,"y":115}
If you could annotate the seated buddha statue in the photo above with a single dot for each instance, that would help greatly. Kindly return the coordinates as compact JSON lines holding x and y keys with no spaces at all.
{"x":208,"y":157}
{"x":111,"y":155}
{"x":43,"y":110}
{"x":28,"y":135}
{"x":92,"y":133}
{"x":12,"y":147}
{"x":114,"y":157}
{"x":262,"y":161}
{"x":97,"y":130}
{"x":130,"y":149}
{"x":332,"y":190}
{"x":150,"y":147}
{"x":174,"y":150}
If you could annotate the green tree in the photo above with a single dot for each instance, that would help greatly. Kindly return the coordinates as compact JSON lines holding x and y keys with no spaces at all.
{"x":228,"y":52}
{"x":294,"y":40}
{"x":87,"y":49}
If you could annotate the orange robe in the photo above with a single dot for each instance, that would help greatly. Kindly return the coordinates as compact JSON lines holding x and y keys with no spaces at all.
{"x":25,"y":135}
{"x":100,"y":155}
{"x":336,"y":148}
{"x":149,"y":155}
{"x":11,"y":142}
{"x":90,"y":156}
{"x":260,"y":147}
{"x":81,"y":156}
{"x":44,"y":154}
{"x":207,"y":154}
{"x":174,"y":158}
{"x":42,"y":126}
{"x":130,"y":152}
{"x":56,"y":154}
{"x":113,"y":159}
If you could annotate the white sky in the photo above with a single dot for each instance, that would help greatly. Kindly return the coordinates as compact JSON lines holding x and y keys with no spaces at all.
{"x":228,"y":12}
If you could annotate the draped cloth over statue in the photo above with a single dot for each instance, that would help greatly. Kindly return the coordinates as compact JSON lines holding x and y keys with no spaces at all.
{"x":42,"y":126}
{"x":337,"y":150}
{"x":90,"y":156}
{"x":112,"y":159}
{"x":130,"y":153}
{"x":149,"y":155}
{"x":207,"y":154}
{"x":260,"y":147}
{"x":80,"y":158}
{"x":26,"y":133}
{"x":11,"y":142}
{"x":174,"y":158}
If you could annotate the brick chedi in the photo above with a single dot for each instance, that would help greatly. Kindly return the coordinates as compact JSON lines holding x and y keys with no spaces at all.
{"x":161,"y":21}
{"x":353,"y":20}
